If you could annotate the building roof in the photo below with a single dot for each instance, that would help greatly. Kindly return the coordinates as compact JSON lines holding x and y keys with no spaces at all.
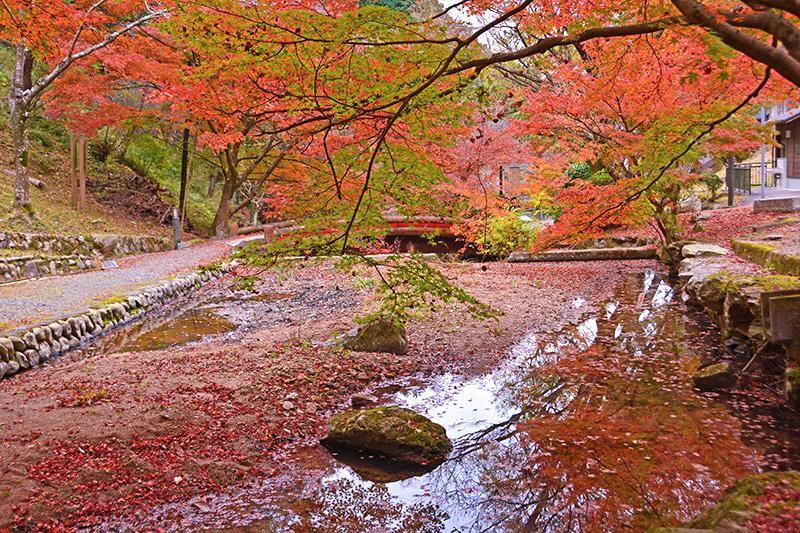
{"x":786,"y":117}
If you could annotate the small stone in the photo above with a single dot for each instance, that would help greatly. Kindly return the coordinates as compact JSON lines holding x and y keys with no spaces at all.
{"x":19,"y":344}
{"x":23,"y":361}
{"x":13,"y":367}
{"x":56,"y":329}
{"x":380,"y":335}
{"x":44,"y":351}
{"x":287,"y":405}
{"x":33,"y":357}
{"x":363,"y":400}
{"x":6,"y":348}
{"x":700,"y":250}
{"x":292,"y":396}
{"x":311,"y":407}
{"x":39,"y":334}
{"x":714,"y":377}
{"x":30,"y":341}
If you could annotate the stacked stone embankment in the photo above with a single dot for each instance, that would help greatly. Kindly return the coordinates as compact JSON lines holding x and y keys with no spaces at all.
{"x":33,"y":255}
{"x":28,"y":348}
{"x":15,"y":268}
{"x":736,"y":298}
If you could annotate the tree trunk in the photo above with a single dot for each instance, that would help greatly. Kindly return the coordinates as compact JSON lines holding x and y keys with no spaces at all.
{"x":222,"y":219}
{"x":212,"y":184}
{"x":18,"y":105}
{"x":184,"y":175}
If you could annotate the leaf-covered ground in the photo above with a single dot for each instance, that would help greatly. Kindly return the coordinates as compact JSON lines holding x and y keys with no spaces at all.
{"x":87,"y":439}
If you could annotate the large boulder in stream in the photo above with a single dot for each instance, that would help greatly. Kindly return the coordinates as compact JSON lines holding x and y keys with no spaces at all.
{"x":379,"y":335}
{"x":714,"y":377}
{"x":396,"y":433}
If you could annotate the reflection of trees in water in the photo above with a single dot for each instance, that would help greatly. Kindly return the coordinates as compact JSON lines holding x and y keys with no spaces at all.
{"x":346,"y":505}
{"x":611,"y":436}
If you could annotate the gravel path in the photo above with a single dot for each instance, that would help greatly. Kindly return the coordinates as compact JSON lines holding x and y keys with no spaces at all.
{"x":43,"y":300}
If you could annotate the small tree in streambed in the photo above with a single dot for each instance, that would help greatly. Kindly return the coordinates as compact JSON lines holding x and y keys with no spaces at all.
{"x":410,"y":288}
{"x":59,"y":34}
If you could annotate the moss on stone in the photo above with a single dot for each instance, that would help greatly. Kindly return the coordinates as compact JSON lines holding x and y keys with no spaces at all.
{"x":768,"y":256}
{"x":396,"y":432}
{"x":714,"y":377}
{"x":741,"y":501}
{"x":793,"y":376}
{"x":727,"y":282}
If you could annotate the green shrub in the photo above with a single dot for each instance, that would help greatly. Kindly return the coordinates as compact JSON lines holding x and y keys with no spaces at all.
{"x":507,"y":233}
{"x":579,"y":171}
{"x":713,"y":184}
{"x":601,"y":178}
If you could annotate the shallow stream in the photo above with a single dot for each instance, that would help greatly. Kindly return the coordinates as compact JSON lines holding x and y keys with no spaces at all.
{"x":595,"y":427}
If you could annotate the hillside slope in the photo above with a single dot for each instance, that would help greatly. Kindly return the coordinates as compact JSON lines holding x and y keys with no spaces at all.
{"x":119,"y":200}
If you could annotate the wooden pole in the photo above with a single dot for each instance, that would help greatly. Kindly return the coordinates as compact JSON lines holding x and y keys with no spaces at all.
{"x":82,"y":170}
{"x":73,"y":171}
{"x":184,"y":175}
{"x":729,"y":178}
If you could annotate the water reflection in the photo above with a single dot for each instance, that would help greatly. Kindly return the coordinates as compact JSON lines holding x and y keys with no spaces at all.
{"x":187,"y":327}
{"x":595,"y":425}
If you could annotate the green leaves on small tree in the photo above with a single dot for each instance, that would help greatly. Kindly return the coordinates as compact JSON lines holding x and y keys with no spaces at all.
{"x":410,"y":288}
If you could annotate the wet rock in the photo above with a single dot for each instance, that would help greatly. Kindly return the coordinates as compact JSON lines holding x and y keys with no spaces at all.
{"x":715,"y":377}
{"x":745,"y":499}
{"x":380,"y":335}
{"x":363,"y":400}
{"x":396,"y":433}
{"x":702,"y":250}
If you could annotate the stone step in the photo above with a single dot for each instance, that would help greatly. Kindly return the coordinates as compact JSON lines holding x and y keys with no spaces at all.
{"x":777,"y":205}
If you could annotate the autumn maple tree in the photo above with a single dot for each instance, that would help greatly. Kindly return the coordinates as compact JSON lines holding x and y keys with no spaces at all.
{"x":58,"y":35}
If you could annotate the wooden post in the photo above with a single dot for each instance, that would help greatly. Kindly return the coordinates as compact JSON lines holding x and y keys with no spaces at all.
{"x":73,"y":170}
{"x":729,"y":179}
{"x":184,"y":175}
{"x":82,"y":172}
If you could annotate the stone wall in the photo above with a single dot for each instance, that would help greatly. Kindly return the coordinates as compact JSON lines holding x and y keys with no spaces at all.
{"x":30,"y":347}
{"x":90,"y":245}
{"x":31,"y":266}
{"x":48,"y":255}
{"x":732,"y":296}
